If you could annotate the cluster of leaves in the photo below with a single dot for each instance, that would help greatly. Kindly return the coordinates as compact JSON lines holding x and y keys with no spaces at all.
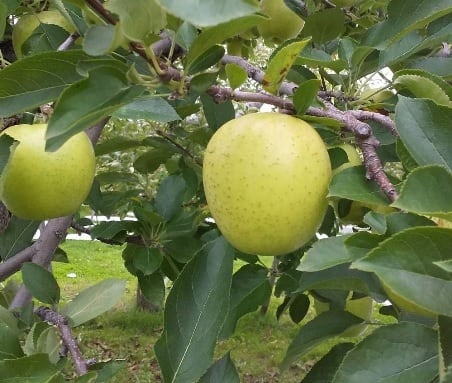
{"x":402,"y":257}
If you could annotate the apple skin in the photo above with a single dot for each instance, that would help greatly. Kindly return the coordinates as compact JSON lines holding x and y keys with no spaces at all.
{"x":24,"y":28}
{"x":38,"y":185}
{"x":283,"y":25}
{"x":403,"y":304}
{"x":353,"y":158}
{"x":266,"y":177}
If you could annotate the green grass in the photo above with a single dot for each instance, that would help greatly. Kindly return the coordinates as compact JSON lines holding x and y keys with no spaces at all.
{"x":126,"y":334}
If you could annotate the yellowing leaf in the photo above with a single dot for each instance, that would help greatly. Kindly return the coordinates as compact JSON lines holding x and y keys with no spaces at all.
{"x":280,"y":64}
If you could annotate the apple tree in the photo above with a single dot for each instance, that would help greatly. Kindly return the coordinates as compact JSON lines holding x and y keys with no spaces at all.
{"x":373,"y":78}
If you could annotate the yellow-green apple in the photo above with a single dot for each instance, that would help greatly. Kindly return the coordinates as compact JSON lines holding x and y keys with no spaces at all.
{"x":266,"y":177}
{"x":38,"y":185}
{"x":283,"y":23}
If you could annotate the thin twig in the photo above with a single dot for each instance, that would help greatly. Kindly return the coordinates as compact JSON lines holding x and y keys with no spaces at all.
{"x":387,"y":122}
{"x":66,"y":44}
{"x":179,"y":146}
{"x":69,"y":342}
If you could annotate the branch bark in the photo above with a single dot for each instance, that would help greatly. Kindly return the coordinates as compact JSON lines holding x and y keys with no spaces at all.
{"x":68,"y":340}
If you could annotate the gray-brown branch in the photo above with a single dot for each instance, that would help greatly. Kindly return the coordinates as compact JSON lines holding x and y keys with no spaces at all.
{"x":68,"y":340}
{"x":353,"y":121}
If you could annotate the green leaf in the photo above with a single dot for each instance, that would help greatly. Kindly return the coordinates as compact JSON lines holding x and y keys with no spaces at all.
{"x":305,"y":95}
{"x":422,"y":87}
{"x":399,"y":221}
{"x":7,"y":318}
{"x":151,"y":160}
{"x":153,"y":288}
{"x":433,"y":200}
{"x":146,"y":259}
{"x":108,"y":178}
{"x":407,"y":352}
{"x":280,"y":63}
{"x":5,"y":148}
{"x":209,"y":12}
{"x":116,"y":144}
{"x":49,"y":343}
{"x":218,"y":33}
{"x":250,"y":288}
{"x":46,"y":37}
{"x":170,"y":195}
{"x":236,"y":75}
{"x":33,"y":336}
{"x":223,"y":370}
{"x":184,"y":223}
{"x":447,"y":377}
{"x":31,"y":369}
{"x":108,"y":229}
{"x":436,"y":32}
{"x":340,"y":277}
{"x":200,"y":296}
{"x":10,"y":347}
{"x":148,"y":108}
{"x":326,"y":253}
{"x":140,"y":19}
{"x":315,"y":58}
{"x":445,"y":343}
{"x":405,"y":157}
{"x":40,"y":283}
{"x":99,"y":39}
{"x":17,"y":236}
{"x":299,"y":307}
{"x":203,"y":81}
{"x":42,"y":78}
{"x":316,"y":331}
{"x":411,"y":274}
{"x":325,"y":369}
{"x":107,"y":370}
{"x":438,"y":81}
{"x":87,"y":102}
{"x":351,"y":183}
{"x":3,"y":15}
{"x":217,"y":114}
{"x":182,"y":249}
{"x":207,"y":59}
{"x":325,"y":25}
{"x":404,"y":17}
{"x":94,"y":301}
{"x":440,"y":66}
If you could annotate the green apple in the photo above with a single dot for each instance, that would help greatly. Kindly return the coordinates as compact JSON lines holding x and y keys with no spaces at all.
{"x":352,"y":156}
{"x":266,"y":177}
{"x":234,"y":47}
{"x":25,"y":26}
{"x":361,"y":307}
{"x":38,"y":185}
{"x":284,"y":23}
{"x":404,"y":304}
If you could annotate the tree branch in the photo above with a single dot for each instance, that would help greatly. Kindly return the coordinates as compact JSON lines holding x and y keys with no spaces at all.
{"x":69,"y":342}
{"x":13,"y":264}
{"x":362,"y":131}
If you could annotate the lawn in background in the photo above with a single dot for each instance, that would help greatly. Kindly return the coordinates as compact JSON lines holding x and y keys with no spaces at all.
{"x":128,"y":335}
